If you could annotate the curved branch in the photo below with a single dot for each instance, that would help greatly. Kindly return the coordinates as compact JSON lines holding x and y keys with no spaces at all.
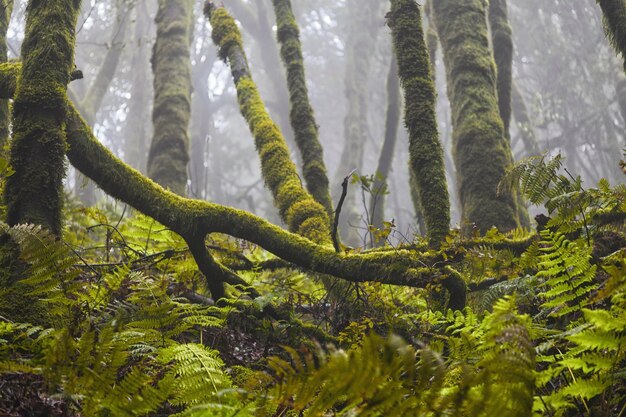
{"x":301,"y":112}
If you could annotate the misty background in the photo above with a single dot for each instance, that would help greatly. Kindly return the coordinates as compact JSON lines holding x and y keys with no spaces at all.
{"x":571,"y":94}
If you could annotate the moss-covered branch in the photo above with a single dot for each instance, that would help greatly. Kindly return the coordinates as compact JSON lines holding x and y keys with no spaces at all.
{"x":171,"y":65}
{"x":481,"y":153}
{"x":34,"y":194}
{"x":425,"y":151}
{"x":301,"y":213}
{"x":301,"y":113}
{"x":614,"y":12}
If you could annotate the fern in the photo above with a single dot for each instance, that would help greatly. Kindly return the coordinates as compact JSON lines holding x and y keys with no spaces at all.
{"x":569,"y":276}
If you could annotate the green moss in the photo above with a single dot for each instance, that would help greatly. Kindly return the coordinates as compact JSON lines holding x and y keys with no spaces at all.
{"x":301,"y":113}
{"x":614,"y":12}
{"x":34,"y":193}
{"x":169,"y":155}
{"x":426,"y":153}
{"x":480,"y":151}
{"x":296,"y":206}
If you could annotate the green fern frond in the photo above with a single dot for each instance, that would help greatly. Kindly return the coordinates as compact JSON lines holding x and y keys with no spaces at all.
{"x":568,"y":273}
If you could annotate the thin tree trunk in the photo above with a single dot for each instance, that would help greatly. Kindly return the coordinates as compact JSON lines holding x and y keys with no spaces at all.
{"x":524,"y":124}
{"x":359,"y":44}
{"x":137,"y":128}
{"x":171,"y":65}
{"x":301,"y":113}
{"x":502,"y":40}
{"x":379,"y":187}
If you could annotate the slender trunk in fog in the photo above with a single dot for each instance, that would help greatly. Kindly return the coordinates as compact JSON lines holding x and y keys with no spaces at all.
{"x":171,"y":66}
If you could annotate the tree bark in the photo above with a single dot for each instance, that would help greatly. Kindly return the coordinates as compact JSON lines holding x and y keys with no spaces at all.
{"x":301,"y":213}
{"x":481,"y":154}
{"x":34,"y":193}
{"x":425,"y":151}
{"x":171,"y":65}
{"x":301,"y":113}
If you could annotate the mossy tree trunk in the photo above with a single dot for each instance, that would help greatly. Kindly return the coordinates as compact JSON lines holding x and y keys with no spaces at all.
{"x":379,"y":186}
{"x":614,"y":12}
{"x":425,"y":151}
{"x":301,"y":213}
{"x":480,"y":149}
{"x":301,"y":113}
{"x":6,"y":7}
{"x":34,"y":194}
{"x":502,"y":41}
{"x":171,"y":65}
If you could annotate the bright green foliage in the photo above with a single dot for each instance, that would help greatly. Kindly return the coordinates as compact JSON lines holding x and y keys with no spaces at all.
{"x":426,"y":153}
{"x":568,"y":274}
{"x":614,"y":13}
{"x":381,"y":377}
{"x":168,"y":157}
{"x":301,"y":113}
{"x":301,"y":213}
{"x":117,"y":341}
{"x":34,"y":193}
{"x":481,"y":152}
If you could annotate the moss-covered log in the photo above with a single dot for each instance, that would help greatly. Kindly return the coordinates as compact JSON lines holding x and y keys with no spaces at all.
{"x":480,"y":150}
{"x":301,"y":113}
{"x":425,"y":151}
{"x":34,"y":194}
{"x":6,"y":7}
{"x":614,"y":12}
{"x":392,"y":119}
{"x":171,"y":65}
{"x":301,"y":213}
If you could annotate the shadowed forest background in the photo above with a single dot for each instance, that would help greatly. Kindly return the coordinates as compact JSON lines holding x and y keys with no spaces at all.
{"x":321,"y":207}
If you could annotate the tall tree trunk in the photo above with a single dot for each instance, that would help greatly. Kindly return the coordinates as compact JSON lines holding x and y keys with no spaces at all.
{"x":34,"y":193}
{"x":301,"y":213}
{"x":360,"y":42}
{"x":137,"y":127}
{"x":425,"y":151}
{"x":379,"y":187}
{"x":6,"y":7}
{"x":171,"y":65}
{"x":301,"y":113}
{"x":481,"y":153}
{"x":502,"y":40}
